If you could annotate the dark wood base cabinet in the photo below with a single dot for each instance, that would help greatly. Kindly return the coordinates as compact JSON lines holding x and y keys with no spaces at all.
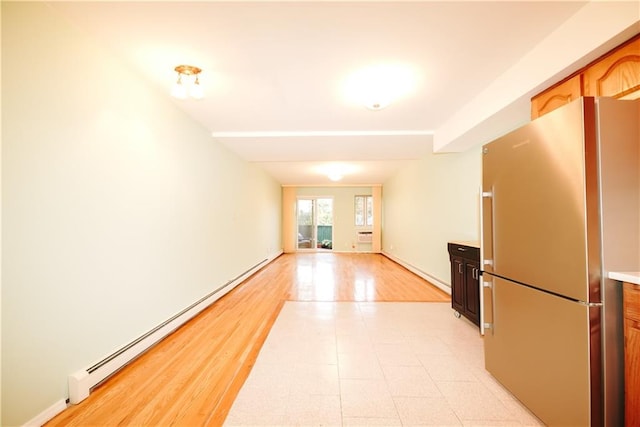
{"x":465,"y":280}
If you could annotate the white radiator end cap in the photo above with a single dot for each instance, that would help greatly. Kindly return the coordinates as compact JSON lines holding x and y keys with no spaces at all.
{"x":79,"y":385}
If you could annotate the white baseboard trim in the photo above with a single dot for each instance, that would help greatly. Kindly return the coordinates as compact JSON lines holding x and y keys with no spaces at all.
{"x":82,"y":381}
{"x":46,"y":415}
{"x":426,"y":276}
{"x":355,"y":252}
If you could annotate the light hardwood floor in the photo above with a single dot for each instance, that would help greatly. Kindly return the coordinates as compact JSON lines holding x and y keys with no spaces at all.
{"x":192,"y":377}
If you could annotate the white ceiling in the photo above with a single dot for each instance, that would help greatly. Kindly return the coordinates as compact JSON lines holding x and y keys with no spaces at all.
{"x":274,"y":73}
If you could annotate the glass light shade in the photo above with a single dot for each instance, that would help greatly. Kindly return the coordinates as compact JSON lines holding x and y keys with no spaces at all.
{"x":179,"y":90}
{"x":377,"y":103}
{"x":195,"y":90}
{"x":378,"y":86}
{"x":335,"y":176}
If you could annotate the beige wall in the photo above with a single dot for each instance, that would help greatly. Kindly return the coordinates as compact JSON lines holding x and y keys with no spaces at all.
{"x":117,"y":208}
{"x":428,"y":203}
{"x":289,"y":219}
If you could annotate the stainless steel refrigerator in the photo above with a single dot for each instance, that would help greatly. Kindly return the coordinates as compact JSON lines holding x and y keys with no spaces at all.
{"x":560,"y":208}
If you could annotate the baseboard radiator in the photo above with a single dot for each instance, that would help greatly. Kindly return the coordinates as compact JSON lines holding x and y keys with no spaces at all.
{"x":426,"y":276}
{"x":81,"y":382}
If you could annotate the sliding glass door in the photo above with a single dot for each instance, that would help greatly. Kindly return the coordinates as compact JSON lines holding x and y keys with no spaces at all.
{"x":315,"y":223}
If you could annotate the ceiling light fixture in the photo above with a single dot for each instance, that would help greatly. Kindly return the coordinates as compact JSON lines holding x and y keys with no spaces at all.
{"x":336,"y":171}
{"x":378,"y":86}
{"x":188,"y":83}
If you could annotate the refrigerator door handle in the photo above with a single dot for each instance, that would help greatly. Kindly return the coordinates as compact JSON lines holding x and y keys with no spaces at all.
{"x":486,"y":313}
{"x":483,"y":262}
{"x":483,"y":195}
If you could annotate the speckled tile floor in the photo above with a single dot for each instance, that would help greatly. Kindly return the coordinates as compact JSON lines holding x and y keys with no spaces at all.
{"x":373,"y":363}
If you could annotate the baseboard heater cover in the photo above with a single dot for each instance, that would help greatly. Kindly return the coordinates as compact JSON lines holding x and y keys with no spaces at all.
{"x":426,"y":276}
{"x":82,"y":381}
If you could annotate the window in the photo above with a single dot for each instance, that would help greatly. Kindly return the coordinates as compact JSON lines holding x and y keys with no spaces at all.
{"x":364,"y":211}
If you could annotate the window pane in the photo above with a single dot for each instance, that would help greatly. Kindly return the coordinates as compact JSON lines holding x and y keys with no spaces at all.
{"x":360,"y":210}
{"x":325,"y":211}
{"x":364,"y":210}
{"x":305,"y":212}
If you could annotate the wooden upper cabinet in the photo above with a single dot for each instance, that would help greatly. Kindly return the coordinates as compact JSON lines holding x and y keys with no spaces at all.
{"x":556,"y":96}
{"x":617,"y":74}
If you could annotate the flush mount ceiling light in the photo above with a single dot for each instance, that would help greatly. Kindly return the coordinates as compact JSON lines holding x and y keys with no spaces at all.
{"x":188,"y":83}
{"x":378,"y":86}
{"x":334,"y":176}
{"x":336,"y":171}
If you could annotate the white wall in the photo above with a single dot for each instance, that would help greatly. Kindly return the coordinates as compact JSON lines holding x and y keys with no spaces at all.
{"x":430,"y":202}
{"x":344,"y":229}
{"x":118,"y":210}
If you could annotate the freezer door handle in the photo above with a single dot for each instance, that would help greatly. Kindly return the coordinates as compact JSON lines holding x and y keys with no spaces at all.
{"x":486,"y":304}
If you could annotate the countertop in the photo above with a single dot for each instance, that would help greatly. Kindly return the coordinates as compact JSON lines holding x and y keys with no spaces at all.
{"x":626,"y":276}
{"x":473,"y":244}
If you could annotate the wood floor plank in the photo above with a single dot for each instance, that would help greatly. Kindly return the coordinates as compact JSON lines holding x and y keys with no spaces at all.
{"x":192,"y":377}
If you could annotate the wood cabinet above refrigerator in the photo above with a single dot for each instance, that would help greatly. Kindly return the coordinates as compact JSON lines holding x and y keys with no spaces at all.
{"x":615,"y":74}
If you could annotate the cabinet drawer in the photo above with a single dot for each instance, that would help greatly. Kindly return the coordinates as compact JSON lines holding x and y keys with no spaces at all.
{"x":631,"y":295}
{"x":468,"y":252}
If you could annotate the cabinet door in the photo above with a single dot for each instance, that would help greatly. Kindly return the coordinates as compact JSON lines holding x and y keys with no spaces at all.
{"x":631,"y":296}
{"x":457,"y":284}
{"x":632,"y":375}
{"x":616,"y":75}
{"x":556,"y":96}
{"x":472,"y":292}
